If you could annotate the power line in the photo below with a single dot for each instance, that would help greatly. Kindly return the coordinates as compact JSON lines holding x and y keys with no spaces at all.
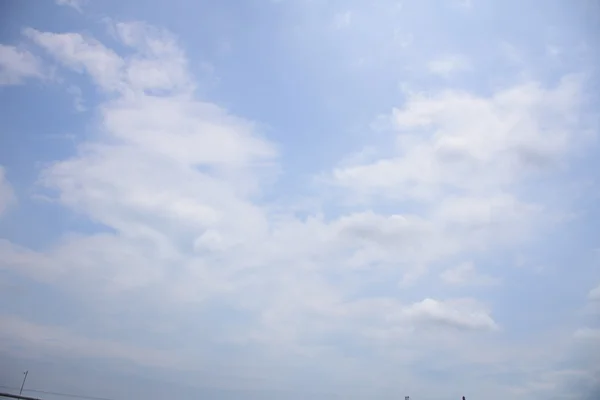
{"x":75,"y":396}
{"x":16,"y":396}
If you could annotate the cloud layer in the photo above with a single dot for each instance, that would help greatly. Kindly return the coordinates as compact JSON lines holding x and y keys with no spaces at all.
{"x":191,"y":257}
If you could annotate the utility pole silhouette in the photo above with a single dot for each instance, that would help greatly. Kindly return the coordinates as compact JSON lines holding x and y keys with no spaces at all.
{"x":23,"y":384}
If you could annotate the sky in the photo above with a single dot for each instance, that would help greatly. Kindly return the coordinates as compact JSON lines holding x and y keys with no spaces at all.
{"x":282,"y":199}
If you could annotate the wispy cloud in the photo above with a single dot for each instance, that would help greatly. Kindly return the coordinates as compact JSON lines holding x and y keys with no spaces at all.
{"x":588,"y":334}
{"x":78,"y":101}
{"x":594,"y":294}
{"x":81,"y":54}
{"x":56,"y":340}
{"x":458,"y":313}
{"x":466,"y":274}
{"x":75,"y":4}
{"x":7,"y":195}
{"x":17,"y":65}
{"x":448,"y":65}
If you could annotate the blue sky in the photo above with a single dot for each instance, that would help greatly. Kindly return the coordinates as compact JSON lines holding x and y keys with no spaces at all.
{"x":291,"y":198}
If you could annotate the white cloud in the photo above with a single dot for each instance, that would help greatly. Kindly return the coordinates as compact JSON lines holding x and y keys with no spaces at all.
{"x":177,"y":182}
{"x":160,"y":63}
{"x":176,"y":175}
{"x":590,"y":334}
{"x":592,"y":306}
{"x":7,"y":195}
{"x":594,"y":294}
{"x":54,"y":340}
{"x":459,"y":141}
{"x":78,"y":101}
{"x":449,"y":64}
{"x":302,"y":315}
{"x":188,"y":189}
{"x":16,"y":65}
{"x":466,"y":274}
{"x":165,"y":171}
{"x":463,"y":314}
{"x":157,"y":65}
{"x":76,"y":4}
{"x":83,"y":55}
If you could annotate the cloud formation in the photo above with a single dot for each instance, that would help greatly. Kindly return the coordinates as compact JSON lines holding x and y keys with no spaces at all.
{"x":449,"y":65}
{"x":181,"y":250}
{"x":17,"y":65}
{"x":438,"y":145}
{"x":466,"y":274}
{"x":75,"y":4}
{"x":7,"y":196}
{"x":594,"y":294}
